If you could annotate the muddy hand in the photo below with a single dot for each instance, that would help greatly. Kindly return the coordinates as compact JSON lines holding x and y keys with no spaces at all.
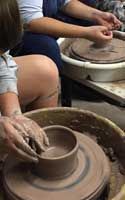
{"x":33,"y":133}
{"x":13,"y":141}
{"x":18,"y":132}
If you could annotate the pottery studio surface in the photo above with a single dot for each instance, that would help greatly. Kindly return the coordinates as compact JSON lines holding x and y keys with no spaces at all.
{"x":93,"y":153}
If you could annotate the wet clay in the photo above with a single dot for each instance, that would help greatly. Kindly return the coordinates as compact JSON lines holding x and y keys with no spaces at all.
{"x":60,"y":158}
{"x":85,"y":50}
{"x":21,"y":183}
{"x":105,"y":131}
{"x":87,"y":182}
{"x":55,"y":152}
{"x":62,"y":140}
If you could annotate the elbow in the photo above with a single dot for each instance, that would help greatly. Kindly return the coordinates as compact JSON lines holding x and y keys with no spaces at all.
{"x":33,"y":26}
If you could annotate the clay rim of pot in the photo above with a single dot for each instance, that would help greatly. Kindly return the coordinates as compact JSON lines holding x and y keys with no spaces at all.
{"x":71,"y":152}
{"x":101,"y":45}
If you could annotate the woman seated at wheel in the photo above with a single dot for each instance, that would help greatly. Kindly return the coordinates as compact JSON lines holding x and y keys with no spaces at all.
{"x":24,"y":82}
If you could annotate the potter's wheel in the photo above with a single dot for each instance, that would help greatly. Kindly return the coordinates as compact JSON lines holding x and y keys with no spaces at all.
{"x":87,"y":182}
{"x":84,"y":66}
{"x":85,"y":50}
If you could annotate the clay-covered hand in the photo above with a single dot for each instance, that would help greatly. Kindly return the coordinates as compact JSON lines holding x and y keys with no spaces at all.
{"x":23,"y":137}
{"x":107,"y":19}
{"x":98,"y":34}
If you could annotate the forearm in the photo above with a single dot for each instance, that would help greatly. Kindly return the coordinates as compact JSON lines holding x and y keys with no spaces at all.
{"x":56,"y":28}
{"x":79,"y":10}
{"x":9,"y":104}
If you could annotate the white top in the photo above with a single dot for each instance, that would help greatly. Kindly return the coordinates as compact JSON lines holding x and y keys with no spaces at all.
{"x":8,"y":69}
{"x":32,"y":9}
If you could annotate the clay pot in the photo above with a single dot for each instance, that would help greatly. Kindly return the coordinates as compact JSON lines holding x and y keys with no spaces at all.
{"x":102,"y":45}
{"x":87,"y":181}
{"x":60,"y":158}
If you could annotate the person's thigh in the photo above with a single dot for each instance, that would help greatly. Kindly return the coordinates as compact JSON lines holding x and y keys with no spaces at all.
{"x":33,"y":43}
{"x":35,"y":73}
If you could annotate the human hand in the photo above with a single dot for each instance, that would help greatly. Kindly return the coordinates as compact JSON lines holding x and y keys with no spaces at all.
{"x":107,"y":19}
{"x":98,"y":34}
{"x":23,"y":137}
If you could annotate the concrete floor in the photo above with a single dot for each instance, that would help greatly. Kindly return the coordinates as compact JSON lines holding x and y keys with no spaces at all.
{"x":87,"y":99}
{"x":105,"y":109}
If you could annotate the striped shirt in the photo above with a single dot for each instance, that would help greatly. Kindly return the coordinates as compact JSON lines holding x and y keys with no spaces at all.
{"x":8,"y":70}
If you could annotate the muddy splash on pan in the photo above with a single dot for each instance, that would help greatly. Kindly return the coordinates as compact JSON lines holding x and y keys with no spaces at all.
{"x":100,"y":161}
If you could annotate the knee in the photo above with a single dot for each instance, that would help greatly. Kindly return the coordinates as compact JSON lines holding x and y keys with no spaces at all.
{"x":47,"y":72}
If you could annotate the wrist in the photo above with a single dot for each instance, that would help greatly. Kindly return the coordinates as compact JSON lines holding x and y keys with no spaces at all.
{"x":81,"y":32}
{"x":15,"y":112}
{"x":11,"y":112}
{"x":9,"y":104}
{"x":85,"y":32}
{"x":96,"y":15}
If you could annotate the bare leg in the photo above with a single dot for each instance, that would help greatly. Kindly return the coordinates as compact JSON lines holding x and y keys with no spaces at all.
{"x":37,"y":81}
